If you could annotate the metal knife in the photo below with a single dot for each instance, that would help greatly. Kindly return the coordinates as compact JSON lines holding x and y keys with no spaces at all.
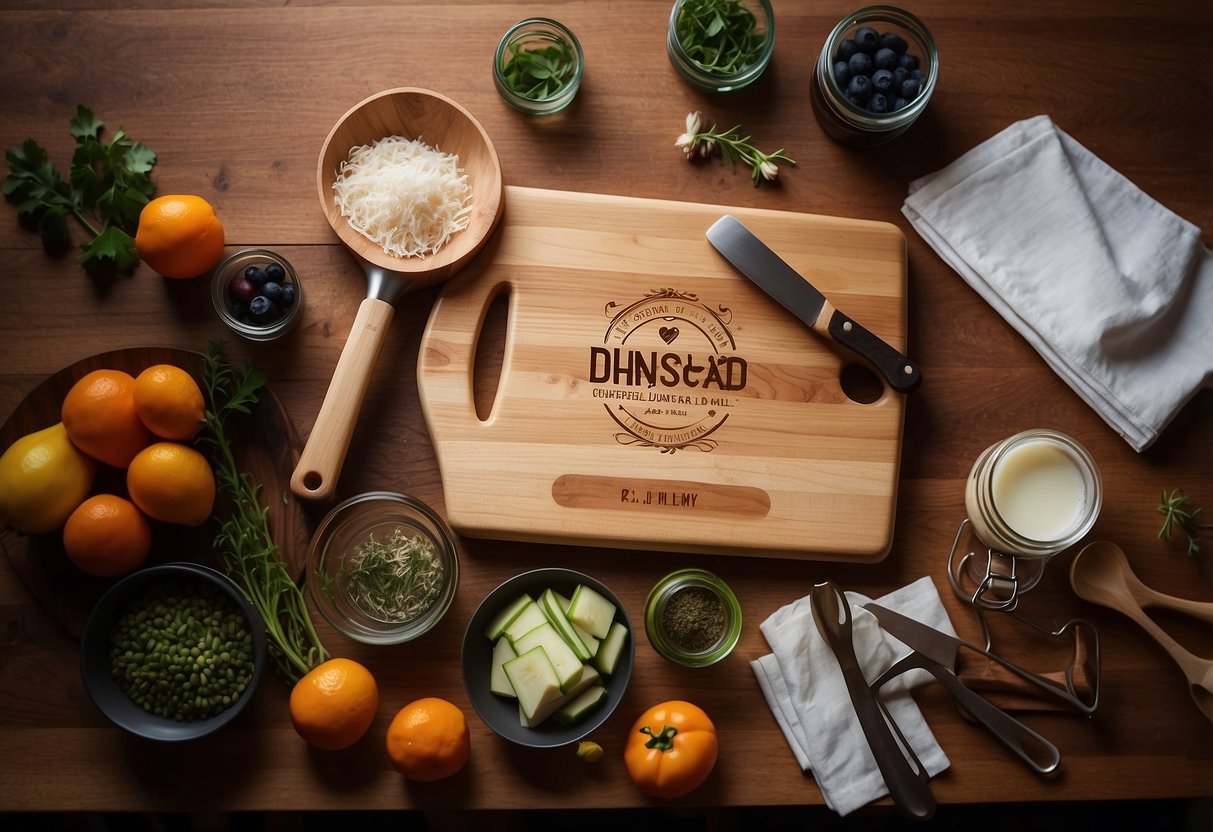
{"x":1033,"y":749}
{"x":899,"y":765}
{"x":755,"y":260}
{"x":945,"y":649}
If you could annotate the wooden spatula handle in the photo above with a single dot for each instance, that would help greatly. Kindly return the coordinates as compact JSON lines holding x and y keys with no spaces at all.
{"x":315,"y":477}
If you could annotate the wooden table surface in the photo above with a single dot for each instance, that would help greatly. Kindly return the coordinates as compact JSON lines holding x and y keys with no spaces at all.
{"x":237,"y":99}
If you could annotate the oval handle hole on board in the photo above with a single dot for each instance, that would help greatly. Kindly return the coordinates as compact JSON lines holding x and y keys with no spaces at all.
{"x":860,"y":384}
{"x":490,"y":353}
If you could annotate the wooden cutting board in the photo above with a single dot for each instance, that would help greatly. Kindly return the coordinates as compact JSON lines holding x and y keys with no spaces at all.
{"x":651,"y":397}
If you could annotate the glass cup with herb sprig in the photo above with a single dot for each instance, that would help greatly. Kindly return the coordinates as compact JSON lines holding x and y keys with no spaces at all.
{"x":382,"y":568}
{"x":721,"y":45}
{"x":537,"y":66}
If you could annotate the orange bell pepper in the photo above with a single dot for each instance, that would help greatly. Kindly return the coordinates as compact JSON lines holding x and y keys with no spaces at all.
{"x":671,"y":750}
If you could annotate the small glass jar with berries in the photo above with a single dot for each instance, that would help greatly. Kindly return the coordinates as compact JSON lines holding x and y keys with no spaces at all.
{"x":257,"y":294}
{"x":874,"y":76}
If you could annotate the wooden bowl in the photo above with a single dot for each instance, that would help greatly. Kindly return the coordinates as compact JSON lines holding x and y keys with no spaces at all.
{"x":440,"y":123}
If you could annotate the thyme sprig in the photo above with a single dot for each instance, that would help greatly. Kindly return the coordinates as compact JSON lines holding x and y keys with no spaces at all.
{"x":250,"y":556}
{"x":1176,"y":513}
{"x":696,"y":142}
{"x":720,"y":37}
{"x":394,"y":580}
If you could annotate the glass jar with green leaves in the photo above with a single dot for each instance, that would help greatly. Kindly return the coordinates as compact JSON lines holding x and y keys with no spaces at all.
{"x":721,"y":45}
{"x":537,"y":67}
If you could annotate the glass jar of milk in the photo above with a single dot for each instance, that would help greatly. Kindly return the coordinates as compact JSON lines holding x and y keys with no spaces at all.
{"x":1029,"y":497}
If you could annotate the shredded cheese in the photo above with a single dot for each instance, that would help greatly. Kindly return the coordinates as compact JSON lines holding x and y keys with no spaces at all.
{"x":404,"y":195}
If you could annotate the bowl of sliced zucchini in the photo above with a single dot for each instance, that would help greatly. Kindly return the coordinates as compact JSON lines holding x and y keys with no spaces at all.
{"x":547,"y":657}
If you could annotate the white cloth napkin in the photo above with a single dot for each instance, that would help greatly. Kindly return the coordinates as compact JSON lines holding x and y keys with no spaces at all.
{"x":1111,"y":288}
{"x":805,"y":690}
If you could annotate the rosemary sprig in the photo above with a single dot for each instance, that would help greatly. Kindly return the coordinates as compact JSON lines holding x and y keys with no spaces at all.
{"x":719,"y":36}
{"x":250,"y":556}
{"x":538,"y":74}
{"x":1176,"y":513}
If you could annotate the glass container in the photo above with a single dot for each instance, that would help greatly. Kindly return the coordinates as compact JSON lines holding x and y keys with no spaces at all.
{"x":853,"y":118}
{"x":235,"y":312}
{"x":695,"y":629}
{"x":702,"y":66}
{"x":335,"y":552}
{"x":545,"y":46}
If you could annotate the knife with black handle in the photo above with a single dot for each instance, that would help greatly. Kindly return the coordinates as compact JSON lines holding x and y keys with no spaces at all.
{"x":904,"y":775}
{"x":753,"y":258}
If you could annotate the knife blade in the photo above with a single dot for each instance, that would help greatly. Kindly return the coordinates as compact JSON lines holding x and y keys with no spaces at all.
{"x":904,"y":775}
{"x":753,"y":258}
{"x":945,"y":649}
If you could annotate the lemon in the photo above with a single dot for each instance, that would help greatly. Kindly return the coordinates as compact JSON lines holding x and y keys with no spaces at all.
{"x":43,"y":477}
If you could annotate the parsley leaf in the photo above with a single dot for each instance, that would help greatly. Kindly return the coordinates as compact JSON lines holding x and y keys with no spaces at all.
{"x":107,"y":187}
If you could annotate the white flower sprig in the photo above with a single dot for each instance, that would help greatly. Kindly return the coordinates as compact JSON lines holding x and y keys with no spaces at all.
{"x":703,"y":143}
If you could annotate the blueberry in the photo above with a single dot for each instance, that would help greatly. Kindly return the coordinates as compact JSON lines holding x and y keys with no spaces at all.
{"x":866,"y":39}
{"x":909,"y":62}
{"x":882,"y":80}
{"x":255,"y":276}
{"x":899,"y":104}
{"x":860,"y":63}
{"x":275,"y":272}
{"x":919,"y":76}
{"x":262,"y":310}
{"x":842,"y":73}
{"x":241,"y":289}
{"x":899,"y":75}
{"x":288,"y":295}
{"x":272,"y":291}
{"x":860,"y":88}
{"x":845,"y":50}
{"x":894,"y":41}
{"x":238,"y":310}
{"x":910,"y":89}
{"x":878,"y":103}
{"x":885,"y":59}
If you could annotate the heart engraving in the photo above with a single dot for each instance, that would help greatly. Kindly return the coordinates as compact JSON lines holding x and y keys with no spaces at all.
{"x":668,"y":333}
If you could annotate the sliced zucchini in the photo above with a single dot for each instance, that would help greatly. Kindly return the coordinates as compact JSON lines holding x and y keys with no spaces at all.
{"x":581,"y":705}
{"x":564,"y":661}
{"x":504,"y":618}
{"x":499,"y":683}
{"x":611,"y":649}
{"x":555,"y":615}
{"x":591,"y":612}
{"x":588,"y":679}
{"x":530,"y":618}
{"x":588,"y":640}
{"x":534,"y":680}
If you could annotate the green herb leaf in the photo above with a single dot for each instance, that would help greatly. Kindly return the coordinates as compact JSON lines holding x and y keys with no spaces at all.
{"x":1175,"y":511}
{"x":112,"y":247}
{"x":720,"y":37}
{"x":85,"y":125}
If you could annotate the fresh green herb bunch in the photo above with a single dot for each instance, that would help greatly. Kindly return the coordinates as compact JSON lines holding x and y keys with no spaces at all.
{"x":540,"y":73}
{"x":183,"y":652}
{"x":250,"y":556}
{"x":1176,"y":512}
{"x":396,"y":579}
{"x":721,"y":37}
{"x":108,"y":186}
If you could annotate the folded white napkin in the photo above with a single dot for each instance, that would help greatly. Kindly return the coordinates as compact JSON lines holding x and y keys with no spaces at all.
{"x":1112,"y":289}
{"x":804,"y":687}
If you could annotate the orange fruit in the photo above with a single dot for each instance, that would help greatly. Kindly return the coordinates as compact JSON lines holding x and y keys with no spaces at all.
{"x":169,"y":402}
{"x":428,"y":740}
{"x":179,"y":235}
{"x":107,"y":536}
{"x":99,"y":414}
{"x":173,"y":483}
{"x":334,"y":704}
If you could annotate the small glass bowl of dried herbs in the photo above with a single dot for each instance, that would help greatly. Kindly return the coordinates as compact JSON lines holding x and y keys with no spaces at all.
{"x":537,"y":66}
{"x":382,"y":568}
{"x":721,"y":45}
{"x":692,"y":618}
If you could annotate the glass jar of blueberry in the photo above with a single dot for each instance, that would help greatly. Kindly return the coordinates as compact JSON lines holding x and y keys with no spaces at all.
{"x":874,"y":76}
{"x":257,"y":294}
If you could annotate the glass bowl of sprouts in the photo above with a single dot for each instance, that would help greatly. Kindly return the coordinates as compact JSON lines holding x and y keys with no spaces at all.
{"x":382,"y":568}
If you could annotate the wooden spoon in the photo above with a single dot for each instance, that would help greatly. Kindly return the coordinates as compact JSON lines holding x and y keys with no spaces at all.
{"x":441,"y":123}
{"x":1100,"y":573}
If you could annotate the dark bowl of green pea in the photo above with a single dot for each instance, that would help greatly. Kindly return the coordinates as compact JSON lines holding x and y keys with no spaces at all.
{"x":172,"y":652}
